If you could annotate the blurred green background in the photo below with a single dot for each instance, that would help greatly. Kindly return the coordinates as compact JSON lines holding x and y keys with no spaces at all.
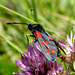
{"x":56,"y":16}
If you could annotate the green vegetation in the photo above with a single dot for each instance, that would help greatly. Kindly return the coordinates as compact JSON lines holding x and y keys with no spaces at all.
{"x":56,"y":16}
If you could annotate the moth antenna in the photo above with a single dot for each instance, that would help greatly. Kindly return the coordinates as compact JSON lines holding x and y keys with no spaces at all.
{"x":23,"y":23}
{"x":31,"y":14}
{"x":16,"y":23}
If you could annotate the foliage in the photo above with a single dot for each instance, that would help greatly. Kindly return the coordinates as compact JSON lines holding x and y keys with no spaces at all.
{"x":56,"y":16}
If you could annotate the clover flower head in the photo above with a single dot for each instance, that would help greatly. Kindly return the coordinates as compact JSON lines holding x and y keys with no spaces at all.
{"x":71,"y":47}
{"x":70,"y":52}
{"x":35,"y":63}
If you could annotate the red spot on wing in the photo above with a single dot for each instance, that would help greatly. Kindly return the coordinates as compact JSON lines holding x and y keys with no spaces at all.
{"x":46,"y":42}
{"x":50,"y":37}
{"x":47,"y":50}
{"x":52,"y":51}
{"x":38,"y":34}
{"x":42,"y":43}
{"x":35,"y":34}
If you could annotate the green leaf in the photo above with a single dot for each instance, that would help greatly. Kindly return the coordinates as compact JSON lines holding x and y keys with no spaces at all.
{"x":11,"y":44}
{"x":7,"y":68}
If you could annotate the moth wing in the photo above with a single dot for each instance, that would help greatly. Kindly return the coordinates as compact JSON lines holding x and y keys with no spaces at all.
{"x":48,"y":48}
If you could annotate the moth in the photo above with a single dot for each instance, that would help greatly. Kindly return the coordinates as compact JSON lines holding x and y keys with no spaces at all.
{"x":49,"y":46}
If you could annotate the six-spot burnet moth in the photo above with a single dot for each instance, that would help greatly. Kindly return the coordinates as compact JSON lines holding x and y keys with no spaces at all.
{"x":49,"y":46}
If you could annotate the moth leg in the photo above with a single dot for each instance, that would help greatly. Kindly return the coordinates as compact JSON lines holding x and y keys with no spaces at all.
{"x":35,"y":40}
{"x":28,"y":39}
